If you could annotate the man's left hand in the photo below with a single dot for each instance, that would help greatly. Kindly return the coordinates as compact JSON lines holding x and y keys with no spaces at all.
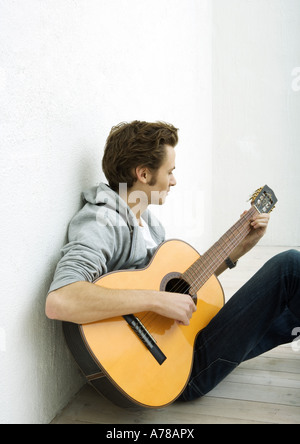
{"x":259,"y":224}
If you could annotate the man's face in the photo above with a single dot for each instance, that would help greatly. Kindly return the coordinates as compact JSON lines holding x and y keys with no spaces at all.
{"x":163,"y":179}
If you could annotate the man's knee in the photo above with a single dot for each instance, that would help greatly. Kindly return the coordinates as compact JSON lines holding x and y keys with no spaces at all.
{"x":292,"y":257}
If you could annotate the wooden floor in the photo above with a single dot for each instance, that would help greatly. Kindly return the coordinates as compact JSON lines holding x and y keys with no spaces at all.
{"x":265,"y":390}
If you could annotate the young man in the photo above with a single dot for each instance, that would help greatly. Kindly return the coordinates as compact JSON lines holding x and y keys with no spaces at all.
{"x":115,"y":230}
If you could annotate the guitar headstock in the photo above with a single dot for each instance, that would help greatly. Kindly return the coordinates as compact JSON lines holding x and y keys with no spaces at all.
{"x":264,"y":200}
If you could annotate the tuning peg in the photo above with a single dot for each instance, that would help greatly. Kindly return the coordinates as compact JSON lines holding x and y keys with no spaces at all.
{"x":255,"y":194}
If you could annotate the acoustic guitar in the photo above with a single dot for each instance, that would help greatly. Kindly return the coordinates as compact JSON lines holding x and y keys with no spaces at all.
{"x":146,"y":359}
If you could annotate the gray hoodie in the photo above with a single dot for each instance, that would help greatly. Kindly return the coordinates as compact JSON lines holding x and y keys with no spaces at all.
{"x":104,"y":236}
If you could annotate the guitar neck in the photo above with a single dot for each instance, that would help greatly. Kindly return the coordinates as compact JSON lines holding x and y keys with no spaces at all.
{"x":201,"y":270}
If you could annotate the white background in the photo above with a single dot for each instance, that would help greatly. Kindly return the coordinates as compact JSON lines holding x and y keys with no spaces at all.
{"x":225,"y":73}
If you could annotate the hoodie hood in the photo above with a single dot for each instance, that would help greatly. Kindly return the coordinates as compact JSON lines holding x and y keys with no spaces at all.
{"x":103,"y":196}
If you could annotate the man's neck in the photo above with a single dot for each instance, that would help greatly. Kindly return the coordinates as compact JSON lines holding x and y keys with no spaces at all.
{"x":136,"y":199}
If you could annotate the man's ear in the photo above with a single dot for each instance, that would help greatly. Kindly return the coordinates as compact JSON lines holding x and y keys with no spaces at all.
{"x":143,"y":174}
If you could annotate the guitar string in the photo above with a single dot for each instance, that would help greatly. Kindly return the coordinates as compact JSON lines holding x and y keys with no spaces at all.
{"x":222,"y":247}
{"x":150,"y":317}
{"x":241,"y":229}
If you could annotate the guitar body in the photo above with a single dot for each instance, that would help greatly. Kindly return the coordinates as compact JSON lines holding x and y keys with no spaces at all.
{"x":115,"y":359}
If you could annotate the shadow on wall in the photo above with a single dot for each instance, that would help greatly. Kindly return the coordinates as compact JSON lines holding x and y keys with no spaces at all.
{"x":56,"y":375}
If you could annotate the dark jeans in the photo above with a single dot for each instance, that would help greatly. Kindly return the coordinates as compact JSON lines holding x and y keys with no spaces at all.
{"x":259,"y":317}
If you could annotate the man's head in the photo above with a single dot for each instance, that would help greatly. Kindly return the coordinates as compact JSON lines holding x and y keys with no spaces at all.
{"x":136,"y":144}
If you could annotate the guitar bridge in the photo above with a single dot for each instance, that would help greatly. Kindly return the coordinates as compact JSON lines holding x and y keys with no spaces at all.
{"x":141,"y":331}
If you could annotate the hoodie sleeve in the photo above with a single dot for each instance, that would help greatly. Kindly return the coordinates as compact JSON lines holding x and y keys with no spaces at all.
{"x":91,"y":249}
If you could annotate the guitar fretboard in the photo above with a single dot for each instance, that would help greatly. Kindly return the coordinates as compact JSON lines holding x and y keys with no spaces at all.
{"x":201,"y":270}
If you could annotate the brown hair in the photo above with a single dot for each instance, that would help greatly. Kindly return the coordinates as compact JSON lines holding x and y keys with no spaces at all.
{"x":134,"y":144}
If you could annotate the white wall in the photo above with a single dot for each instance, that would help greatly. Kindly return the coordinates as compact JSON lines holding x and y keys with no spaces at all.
{"x":69,"y":70}
{"x":256,"y":111}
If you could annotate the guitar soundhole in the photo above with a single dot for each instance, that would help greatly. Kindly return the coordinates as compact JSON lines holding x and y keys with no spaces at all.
{"x":177,"y":285}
